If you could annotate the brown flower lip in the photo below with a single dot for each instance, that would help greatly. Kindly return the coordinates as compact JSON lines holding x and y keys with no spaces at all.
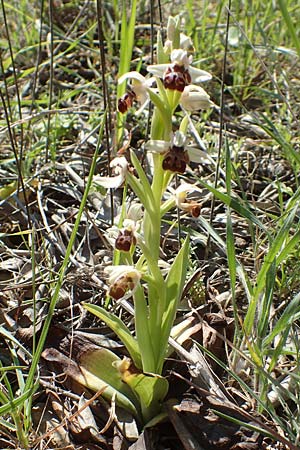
{"x":125,"y":102}
{"x":195,"y":210}
{"x":125,"y":240}
{"x":121,"y":286}
{"x":117,"y":292}
{"x":176,"y":159}
{"x":176,"y":78}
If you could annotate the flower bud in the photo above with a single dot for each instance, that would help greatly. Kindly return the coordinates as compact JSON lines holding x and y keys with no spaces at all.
{"x":173,"y":31}
{"x":194,"y":98}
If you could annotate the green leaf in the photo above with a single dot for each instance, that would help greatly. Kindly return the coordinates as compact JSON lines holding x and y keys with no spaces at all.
{"x":290,"y":314}
{"x":288,"y":248}
{"x":120,"y":329}
{"x":139,"y":191}
{"x":150,"y":389}
{"x":174,"y":286}
{"x":148,"y":199}
{"x":163,"y":108}
{"x":99,"y":372}
{"x":143,"y":335}
{"x":266,"y":303}
{"x":12,"y":405}
{"x":270,"y":257}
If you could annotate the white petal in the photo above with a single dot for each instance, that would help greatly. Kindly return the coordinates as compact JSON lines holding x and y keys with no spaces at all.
{"x":119,"y":162}
{"x":186,"y":188}
{"x":186,"y":42}
{"x":198,"y":75}
{"x":109,"y":182}
{"x":119,"y":165}
{"x":158,"y":69}
{"x":198,"y":156}
{"x":135,"y":212}
{"x":179,"y":139}
{"x":117,"y":272}
{"x":132,"y":76}
{"x":157,"y":146}
{"x":181,"y":194}
{"x":144,"y":105}
{"x":140,"y":91}
{"x":111,"y":234}
{"x":180,"y":57}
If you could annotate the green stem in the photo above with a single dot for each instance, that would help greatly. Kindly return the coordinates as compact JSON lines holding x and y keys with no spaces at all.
{"x":22,"y":437}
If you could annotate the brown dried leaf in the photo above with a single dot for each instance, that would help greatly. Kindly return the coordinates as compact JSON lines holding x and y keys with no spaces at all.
{"x":211,"y":430}
{"x":48,"y":423}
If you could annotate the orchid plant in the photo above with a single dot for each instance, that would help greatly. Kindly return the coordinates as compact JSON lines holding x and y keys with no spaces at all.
{"x":138,"y":271}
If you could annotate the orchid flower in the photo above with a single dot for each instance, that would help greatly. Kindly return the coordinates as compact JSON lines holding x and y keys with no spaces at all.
{"x":139,"y":90}
{"x":180,"y":71}
{"x":126,"y":237}
{"x":123,"y":280}
{"x":119,"y":167}
{"x":193,"y":97}
{"x":176,"y":154}
{"x":183,"y":203}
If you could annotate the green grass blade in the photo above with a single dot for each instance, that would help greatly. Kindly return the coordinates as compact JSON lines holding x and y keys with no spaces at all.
{"x":275,"y":248}
{"x":12,"y":405}
{"x":289,"y":23}
{"x":234,"y":204}
{"x":265,"y":306}
{"x":290,"y":314}
{"x":230,"y":245}
{"x":65,"y":263}
{"x":126,"y":47}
